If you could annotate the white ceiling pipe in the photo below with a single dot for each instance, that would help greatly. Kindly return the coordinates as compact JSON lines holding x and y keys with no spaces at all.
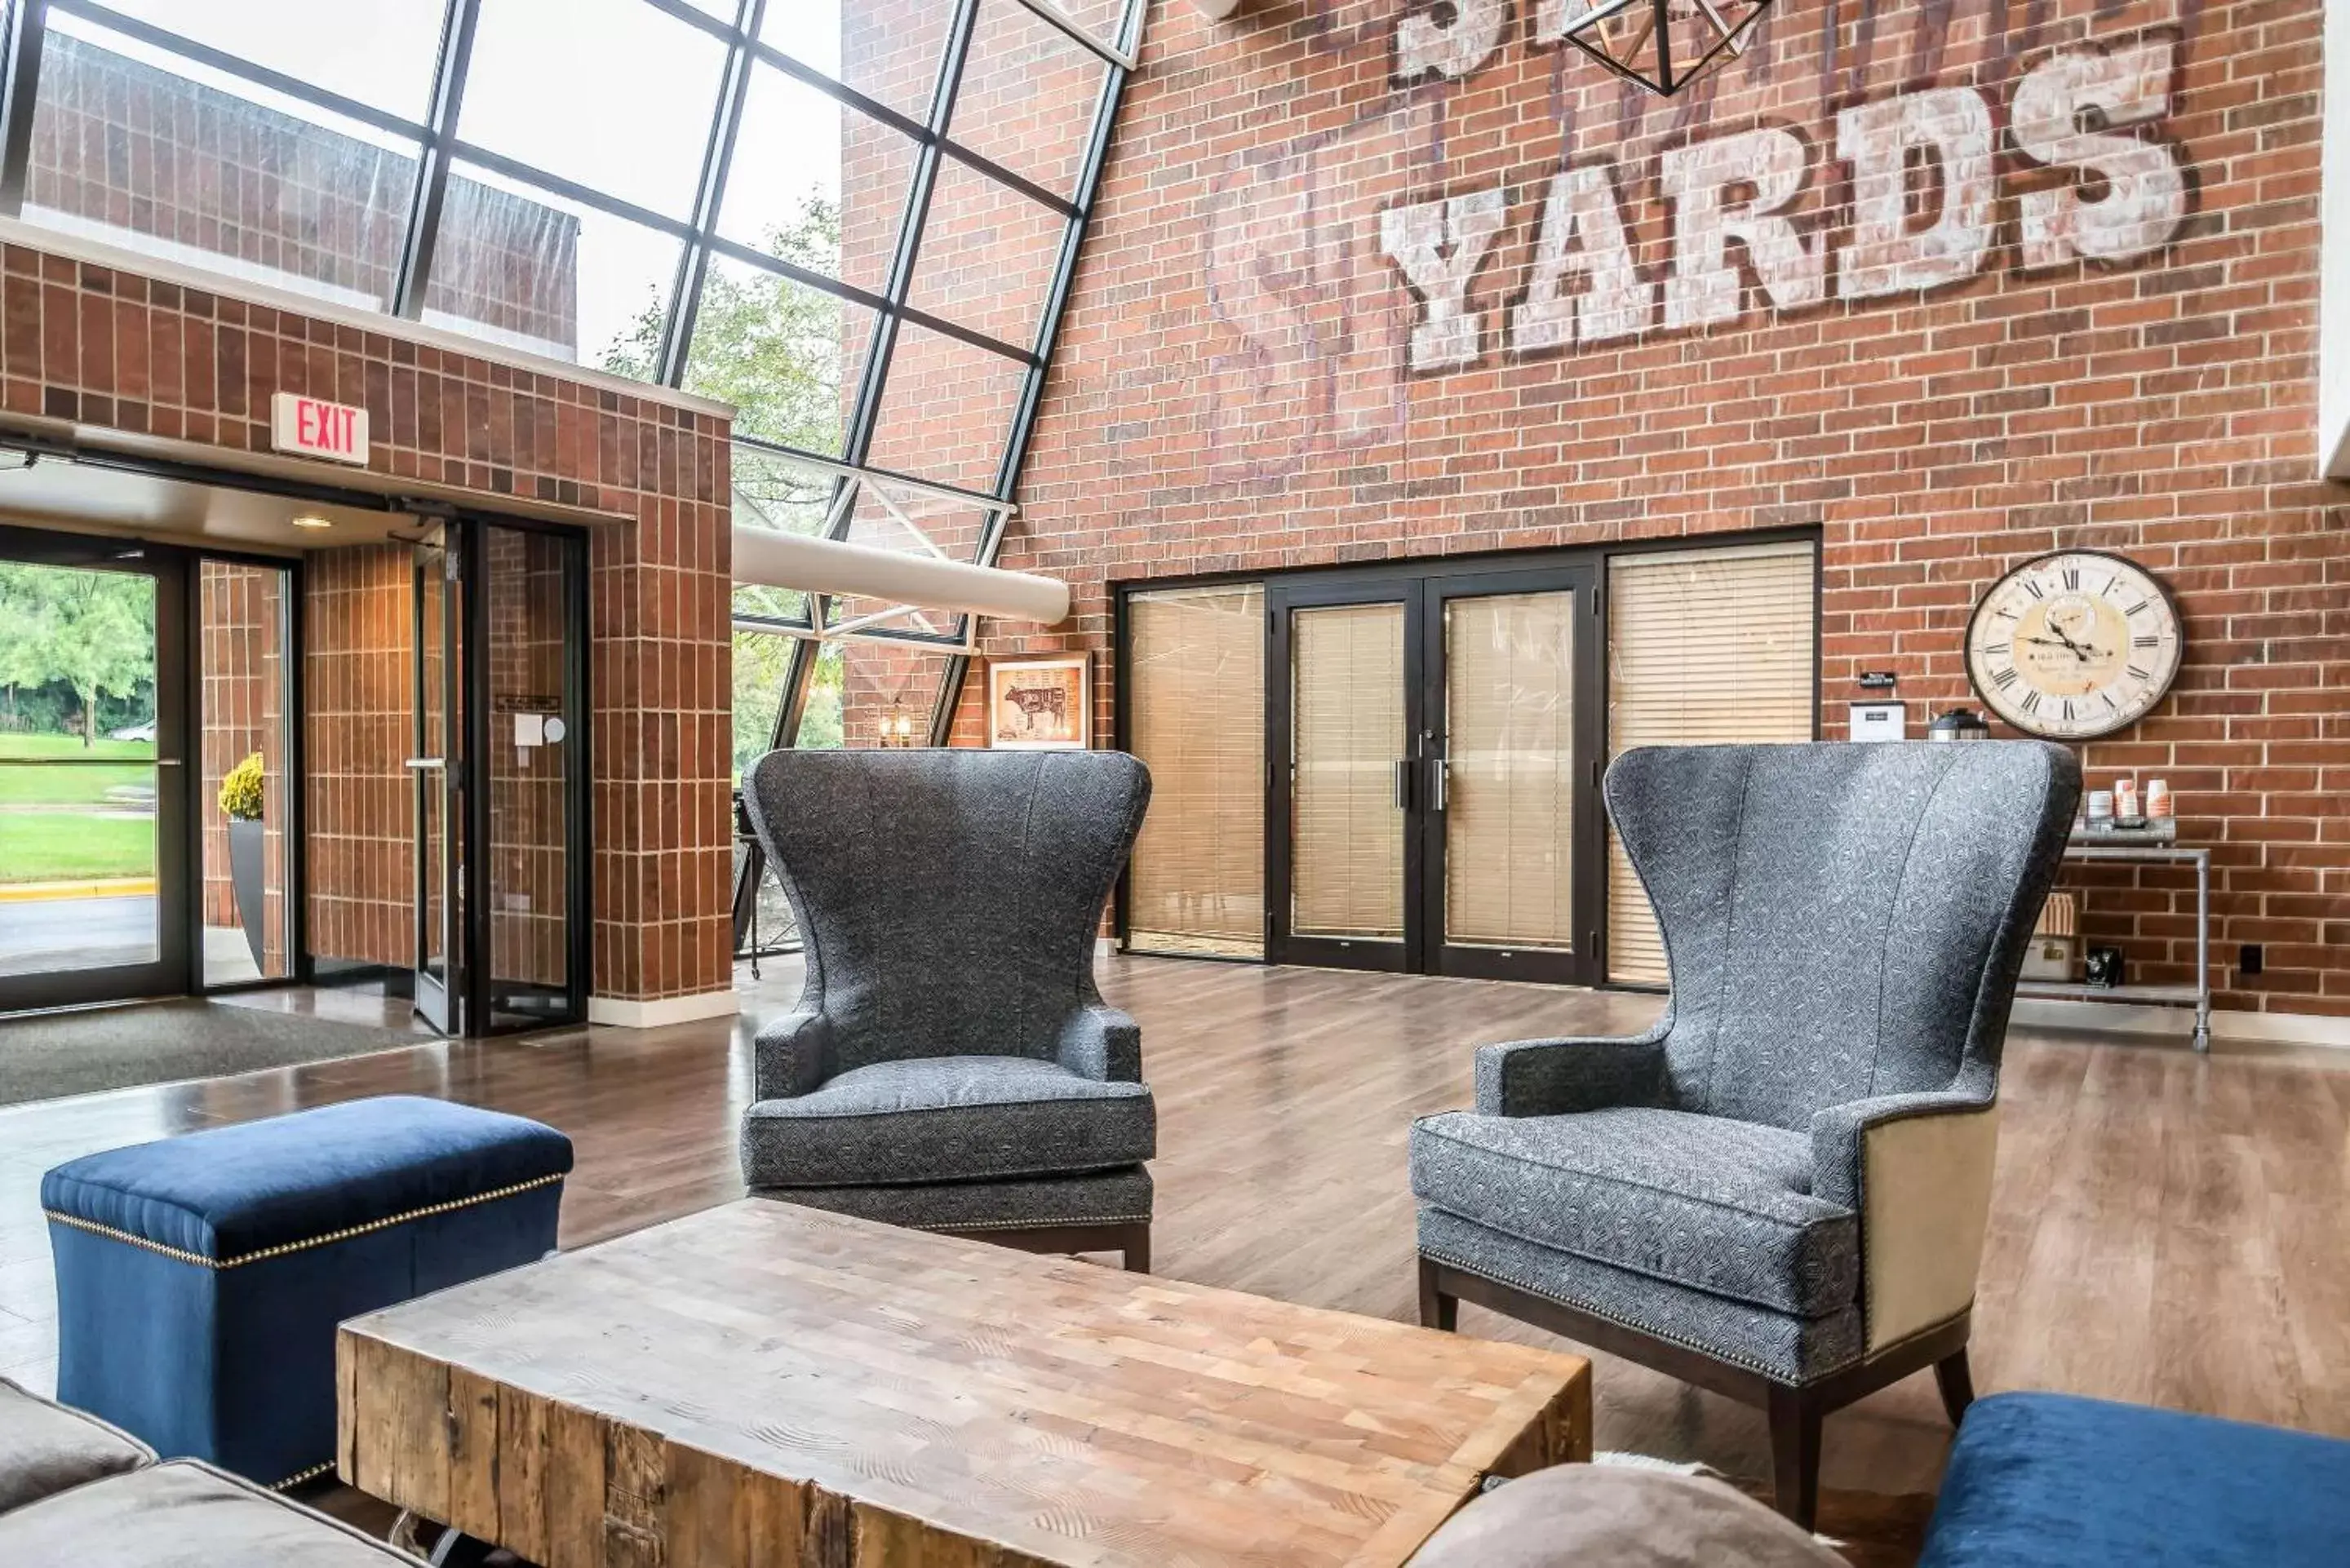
{"x":830,"y":566}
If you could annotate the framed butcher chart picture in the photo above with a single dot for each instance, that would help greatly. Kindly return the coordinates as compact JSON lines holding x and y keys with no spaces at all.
{"x":1039,"y":704}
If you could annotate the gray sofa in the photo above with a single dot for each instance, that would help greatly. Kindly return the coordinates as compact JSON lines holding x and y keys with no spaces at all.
{"x":76,"y":1491}
{"x":951,"y":1065}
{"x":1780,"y":1191}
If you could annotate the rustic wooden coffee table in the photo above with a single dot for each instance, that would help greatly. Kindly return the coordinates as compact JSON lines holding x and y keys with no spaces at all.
{"x":761,"y":1384}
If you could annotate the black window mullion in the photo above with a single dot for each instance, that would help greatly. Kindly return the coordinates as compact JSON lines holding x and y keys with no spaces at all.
{"x":718,"y":158}
{"x":423,"y":236}
{"x":28,"y":24}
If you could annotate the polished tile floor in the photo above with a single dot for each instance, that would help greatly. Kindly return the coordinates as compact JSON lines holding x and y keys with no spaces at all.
{"x":2167,"y":1229}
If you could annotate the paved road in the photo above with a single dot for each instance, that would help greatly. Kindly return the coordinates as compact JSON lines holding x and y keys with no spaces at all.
{"x":76,"y":933}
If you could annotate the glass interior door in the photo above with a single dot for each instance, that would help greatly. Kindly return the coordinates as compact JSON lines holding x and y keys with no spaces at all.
{"x":92,"y":790}
{"x":437,"y":766}
{"x":1511,"y":799}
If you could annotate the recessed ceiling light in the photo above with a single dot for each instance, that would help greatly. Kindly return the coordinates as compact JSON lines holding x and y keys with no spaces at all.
{"x":313,"y":521}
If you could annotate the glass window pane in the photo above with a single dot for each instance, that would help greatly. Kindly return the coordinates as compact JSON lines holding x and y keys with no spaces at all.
{"x":886,"y":49}
{"x":612,"y":94}
{"x":1195,"y":670}
{"x":1029,"y":97}
{"x":158,"y":154}
{"x":988,"y":255}
{"x":537,"y":271}
{"x":772,"y":492}
{"x":863,"y":695}
{"x":381,"y":52}
{"x":815,"y":182}
{"x":1704,"y":647}
{"x":77,"y":769}
{"x":1509,"y":742}
{"x":887,"y":516}
{"x":1346,"y":720}
{"x":243,"y":620}
{"x":947,"y":411}
{"x":783,"y":353}
{"x":762,"y":660}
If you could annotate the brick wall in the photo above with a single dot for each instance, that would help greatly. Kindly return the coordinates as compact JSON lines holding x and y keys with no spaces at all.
{"x":2124,"y":360}
{"x":100,"y":347}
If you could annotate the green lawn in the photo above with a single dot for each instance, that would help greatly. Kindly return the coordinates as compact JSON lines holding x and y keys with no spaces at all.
{"x":64,"y":845}
{"x":112,"y":765}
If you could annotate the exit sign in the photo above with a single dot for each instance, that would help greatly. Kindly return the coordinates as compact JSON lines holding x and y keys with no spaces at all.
{"x":315,"y":428}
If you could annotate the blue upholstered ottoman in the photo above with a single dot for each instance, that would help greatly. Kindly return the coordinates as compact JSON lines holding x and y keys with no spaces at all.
{"x":200,"y":1278}
{"x":2048,"y":1481}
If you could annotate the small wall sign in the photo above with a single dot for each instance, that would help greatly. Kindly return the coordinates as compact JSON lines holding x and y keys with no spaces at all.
{"x":311,"y":427}
{"x":1876,"y":681}
{"x":1880,"y":721}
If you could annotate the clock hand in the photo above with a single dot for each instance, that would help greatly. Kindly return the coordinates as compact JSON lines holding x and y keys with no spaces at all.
{"x":2060,"y":640}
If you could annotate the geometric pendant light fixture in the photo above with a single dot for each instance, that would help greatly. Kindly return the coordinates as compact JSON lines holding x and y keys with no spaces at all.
{"x":1663,"y":45}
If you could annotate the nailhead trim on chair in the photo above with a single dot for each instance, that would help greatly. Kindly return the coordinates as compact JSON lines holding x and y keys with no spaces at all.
{"x":283,"y":1248}
{"x":1636,"y":1326}
{"x":313,"y":1473}
{"x":1036,"y":1224}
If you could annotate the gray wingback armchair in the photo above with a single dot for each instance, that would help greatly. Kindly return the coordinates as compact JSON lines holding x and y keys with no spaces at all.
{"x":950,"y":1065}
{"x":1780,"y":1191}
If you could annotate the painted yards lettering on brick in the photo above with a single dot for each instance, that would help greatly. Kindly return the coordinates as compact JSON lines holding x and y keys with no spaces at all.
{"x":1734,"y":201}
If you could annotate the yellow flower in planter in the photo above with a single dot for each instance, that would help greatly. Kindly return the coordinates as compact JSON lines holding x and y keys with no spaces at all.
{"x":240,"y":792}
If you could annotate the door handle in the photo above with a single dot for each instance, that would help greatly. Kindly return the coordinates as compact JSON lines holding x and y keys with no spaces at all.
{"x":1443,"y":771}
{"x":1403,"y":783}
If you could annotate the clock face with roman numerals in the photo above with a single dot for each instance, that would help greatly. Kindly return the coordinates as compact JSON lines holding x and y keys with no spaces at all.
{"x":2075,"y":644}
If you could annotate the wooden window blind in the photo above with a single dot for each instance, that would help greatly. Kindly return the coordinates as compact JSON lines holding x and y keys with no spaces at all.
{"x":1347,"y":835}
{"x":1509,"y":717}
{"x":1704,"y":647}
{"x":1195,"y":682}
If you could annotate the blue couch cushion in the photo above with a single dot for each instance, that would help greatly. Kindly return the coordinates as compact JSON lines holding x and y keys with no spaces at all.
{"x":2048,"y":1478}
{"x":229,"y":1192}
{"x":199,"y":1279}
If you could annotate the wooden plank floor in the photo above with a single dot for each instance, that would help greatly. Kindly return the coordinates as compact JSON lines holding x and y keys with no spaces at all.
{"x":2167,"y":1229}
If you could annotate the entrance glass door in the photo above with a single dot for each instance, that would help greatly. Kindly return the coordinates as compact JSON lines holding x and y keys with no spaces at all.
{"x":93,"y":843}
{"x":1432,"y":807}
{"x":501,"y":780}
{"x":1511,"y":824}
{"x":437,"y":768}
{"x":1343,"y":855}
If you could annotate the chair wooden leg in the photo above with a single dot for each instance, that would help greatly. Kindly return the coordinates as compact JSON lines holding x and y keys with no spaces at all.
{"x":1437,"y":1310}
{"x":1957,"y":1384}
{"x":1137,"y":1249}
{"x":1795,"y":1455}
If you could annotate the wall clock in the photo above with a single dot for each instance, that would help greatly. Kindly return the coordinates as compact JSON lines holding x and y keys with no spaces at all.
{"x":2075,"y":644}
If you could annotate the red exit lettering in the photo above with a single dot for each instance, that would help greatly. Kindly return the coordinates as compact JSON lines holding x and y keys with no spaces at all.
{"x":320,"y":429}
